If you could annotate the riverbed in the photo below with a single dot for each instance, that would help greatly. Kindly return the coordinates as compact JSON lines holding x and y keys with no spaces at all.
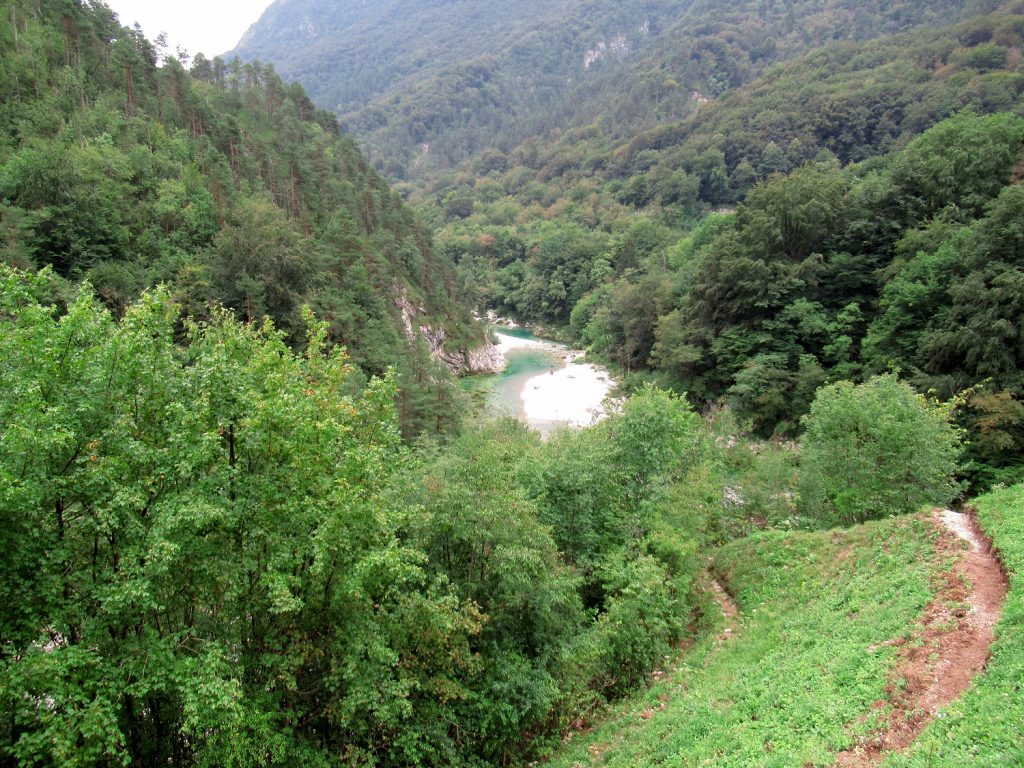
{"x":544,"y":384}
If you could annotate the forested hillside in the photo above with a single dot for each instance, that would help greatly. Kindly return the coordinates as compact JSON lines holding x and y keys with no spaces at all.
{"x":220,"y":181}
{"x":607,"y":210}
{"x":244,"y":520}
{"x":426,"y":85}
{"x":847,"y":166}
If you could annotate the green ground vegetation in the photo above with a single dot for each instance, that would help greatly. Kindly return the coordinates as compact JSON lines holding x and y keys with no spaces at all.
{"x":984,"y":727}
{"x":796,"y":670}
{"x":790,"y":684}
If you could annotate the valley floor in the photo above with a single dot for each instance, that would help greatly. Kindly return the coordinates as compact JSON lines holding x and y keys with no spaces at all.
{"x":832,"y":648}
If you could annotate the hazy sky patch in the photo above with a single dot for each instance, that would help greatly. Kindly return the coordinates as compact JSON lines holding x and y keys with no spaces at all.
{"x":210,"y":26}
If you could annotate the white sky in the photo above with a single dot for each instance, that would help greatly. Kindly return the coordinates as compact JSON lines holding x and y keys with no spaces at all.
{"x":212,"y":27}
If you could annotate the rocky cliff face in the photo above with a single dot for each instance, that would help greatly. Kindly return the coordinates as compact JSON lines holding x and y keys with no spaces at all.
{"x":463,"y":362}
{"x":487,"y":358}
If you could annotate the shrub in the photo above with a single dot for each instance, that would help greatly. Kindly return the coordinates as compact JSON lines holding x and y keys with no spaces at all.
{"x":874,"y":450}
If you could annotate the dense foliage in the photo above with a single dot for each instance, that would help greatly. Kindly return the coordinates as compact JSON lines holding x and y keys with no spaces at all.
{"x":850,"y":101}
{"x":224,"y":184}
{"x":565,"y":549}
{"x":613,"y":221}
{"x":201,"y":567}
{"x":215,"y":554}
{"x":875,"y":449}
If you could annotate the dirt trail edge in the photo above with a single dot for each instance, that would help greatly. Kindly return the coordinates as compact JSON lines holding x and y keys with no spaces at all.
{"x":730,"y":611}
{"x":950,"y":648}
{"x":730,"y":614}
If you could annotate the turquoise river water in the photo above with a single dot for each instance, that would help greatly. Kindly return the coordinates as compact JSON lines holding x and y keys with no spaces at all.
{"x":501,"y":395}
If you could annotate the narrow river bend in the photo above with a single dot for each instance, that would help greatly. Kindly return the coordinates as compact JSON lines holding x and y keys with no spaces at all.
{"x":543,"y":384}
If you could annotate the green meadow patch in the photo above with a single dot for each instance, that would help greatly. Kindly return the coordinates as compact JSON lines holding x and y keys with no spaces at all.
{"x":794,"y":683}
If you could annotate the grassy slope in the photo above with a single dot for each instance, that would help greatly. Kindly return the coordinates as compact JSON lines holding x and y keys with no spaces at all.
{"x":783,"y":691}
{"x":985,"y":728}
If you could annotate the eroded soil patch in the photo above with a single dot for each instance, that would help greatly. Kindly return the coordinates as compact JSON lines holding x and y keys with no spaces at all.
{"x":939,"y":661}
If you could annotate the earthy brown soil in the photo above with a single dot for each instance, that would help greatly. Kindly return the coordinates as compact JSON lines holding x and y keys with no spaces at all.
{"x":951,"y":647}
{"x":730,"y":611}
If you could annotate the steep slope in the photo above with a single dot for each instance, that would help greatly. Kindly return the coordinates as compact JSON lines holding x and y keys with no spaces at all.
{"x":985,"y":727}
{"x":224,"y":183}
{"x":816,"y":660}
{"x":427,"y":85}
{"x":352,"y":52}
{"x":854,"y":100}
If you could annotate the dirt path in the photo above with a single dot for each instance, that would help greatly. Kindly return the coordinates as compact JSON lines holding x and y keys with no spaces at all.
{"x":730,"y":611}
{"x":951,"y":647}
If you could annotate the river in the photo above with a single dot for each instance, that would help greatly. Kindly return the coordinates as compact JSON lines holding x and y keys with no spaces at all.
{"x":543,"y":384}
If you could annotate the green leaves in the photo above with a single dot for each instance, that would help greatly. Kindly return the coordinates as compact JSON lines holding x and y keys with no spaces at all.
{"x":963,"y":161}
{"x":874,"y":450}
{"x":68,"y":713}
{"x":200,"y":545}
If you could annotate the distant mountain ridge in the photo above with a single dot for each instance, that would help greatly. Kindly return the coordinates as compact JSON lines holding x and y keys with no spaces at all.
{"x":406,"y":75}
{"x":306,"y":39}
{"x":425,"y":86}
